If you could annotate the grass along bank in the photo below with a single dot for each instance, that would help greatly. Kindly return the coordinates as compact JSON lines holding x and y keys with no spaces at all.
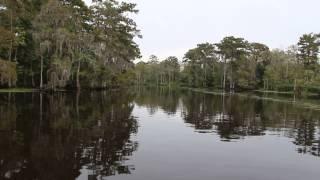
{"x":17,"y":90}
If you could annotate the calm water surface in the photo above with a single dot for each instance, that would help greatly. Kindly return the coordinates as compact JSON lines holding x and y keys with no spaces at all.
{"x":156,"y":134}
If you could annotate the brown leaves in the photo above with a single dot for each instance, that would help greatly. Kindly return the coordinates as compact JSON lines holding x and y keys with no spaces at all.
{"x":6,"y":37}
{"x":8,"y":73}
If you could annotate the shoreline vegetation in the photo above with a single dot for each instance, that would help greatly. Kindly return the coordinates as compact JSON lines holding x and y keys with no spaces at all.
{"x":57,"y":45}
{"x":18,"y":90}
{"x":237,"y":65}
{"x":310,"y":101}
{"x":306,"y":101}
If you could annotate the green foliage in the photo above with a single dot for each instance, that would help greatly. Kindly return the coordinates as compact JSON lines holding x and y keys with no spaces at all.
{"x":65,"y":43}
{"x":200,"y":65}
{"x":232,"y":48}
{"x":246,"y":73}
{"x":156,"y":73}
{"x":237,"y":64}
{"x":309,"y":49}
{"x":128,"y":78}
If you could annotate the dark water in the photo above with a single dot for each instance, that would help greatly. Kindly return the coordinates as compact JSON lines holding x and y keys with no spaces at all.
{"x":156,"y":135}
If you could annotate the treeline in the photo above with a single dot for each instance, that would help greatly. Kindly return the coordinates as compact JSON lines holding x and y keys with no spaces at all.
{"x":51,"y":44}
{"x":236,"y":64}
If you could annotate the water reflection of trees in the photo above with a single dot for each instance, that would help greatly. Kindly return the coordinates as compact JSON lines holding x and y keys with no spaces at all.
{"x":235,"y":117}
{"x":230,"y":117}
{"x":57,"y":136}
{"x":306,"y":137}
{"x":155,"y":98}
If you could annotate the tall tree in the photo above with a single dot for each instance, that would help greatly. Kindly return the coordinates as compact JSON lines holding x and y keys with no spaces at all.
{"x":171,"y":69}
{"x":231,"y":49}
{"x":51,"y":35}
{"x":202,"y":60}
{"x":260,"y":54}
{"x":308,"y":47}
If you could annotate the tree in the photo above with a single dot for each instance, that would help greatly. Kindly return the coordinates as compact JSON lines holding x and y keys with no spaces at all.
{"x":51,"y":35}
{"x":140,"y":72}
{"x":308,"y":48}
{"x":260,"y":56}
{"x":171,"y":69}
{"x":231,"y":49}
{"x":65,"y":43}
{"x":201,"y":60}
{"x":283,"y":72}
{"x":114,"y":32}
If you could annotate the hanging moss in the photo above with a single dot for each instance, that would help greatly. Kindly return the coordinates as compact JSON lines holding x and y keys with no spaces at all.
{"x":59,"y":72}
{"x":8,"y":73}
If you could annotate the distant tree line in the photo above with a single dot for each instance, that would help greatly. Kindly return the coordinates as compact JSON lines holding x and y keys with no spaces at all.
{"x":51,"y":44}
{"x":236,"y":64}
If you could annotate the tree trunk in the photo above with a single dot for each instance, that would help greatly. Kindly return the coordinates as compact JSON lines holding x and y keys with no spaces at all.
{"x":212,"y":73}
{"x":205,"y":75}
{"x":287,"y":71}
{"x":157,"y":80}
{"x":16,"y":54}
{"x":78,"y":76}
{"x":41,"y":72}
{"x":224,"y":74}
{"x":32,"y":76}
{"x":77,"y":104}
{"x":9,"y":83}
{"x":11,"y":41}
{"x":32,"y":79}
{"x":295,"y":86}
{"x":231,"y":77}
{"x":40,"y":112}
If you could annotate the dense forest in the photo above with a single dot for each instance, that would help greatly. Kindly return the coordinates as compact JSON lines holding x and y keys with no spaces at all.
{"x":236,"y":64}
{"x":54,"y":44}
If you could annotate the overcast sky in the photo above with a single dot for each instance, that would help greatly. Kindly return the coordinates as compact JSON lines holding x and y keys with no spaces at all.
{"x":171,"y":27}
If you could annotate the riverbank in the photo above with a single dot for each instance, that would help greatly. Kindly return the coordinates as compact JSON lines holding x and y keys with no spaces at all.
{"x":27,"y":90}
{"x":310,"y":101}
{"x":18,"y":90}
{"x":303,"y":94}
{"x":257,"y":91}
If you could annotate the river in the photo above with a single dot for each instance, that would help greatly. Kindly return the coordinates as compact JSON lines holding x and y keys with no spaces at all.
{"x":156,"y":134}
